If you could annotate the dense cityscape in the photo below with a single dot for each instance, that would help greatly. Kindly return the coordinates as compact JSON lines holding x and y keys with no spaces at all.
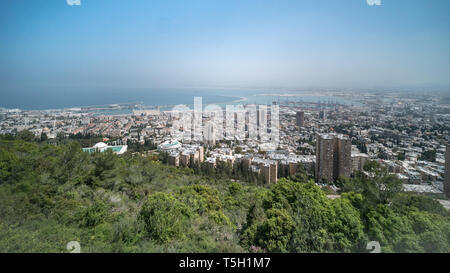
{"x":407,"y":135}
{"x":225,"y":135}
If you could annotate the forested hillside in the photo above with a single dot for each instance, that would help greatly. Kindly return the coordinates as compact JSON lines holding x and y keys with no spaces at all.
{"x":53,"y":194}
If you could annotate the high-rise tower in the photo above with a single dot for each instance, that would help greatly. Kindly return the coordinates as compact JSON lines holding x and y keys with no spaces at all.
{"x":300,"y":118}
{"x":333,"y":157}
{"x":447,"y":171}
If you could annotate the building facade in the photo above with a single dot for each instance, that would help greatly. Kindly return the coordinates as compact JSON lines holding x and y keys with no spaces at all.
{"x":210,"y":134}
{"x":447,"y":172}
{"x":300,"y":118}
{"x":333,"y":157}
{"x":322,"y":115}
{"x":185,"y":159}
{"x":102,"y":147}
{"x":174,"y":159}
{"x":358,"y":161}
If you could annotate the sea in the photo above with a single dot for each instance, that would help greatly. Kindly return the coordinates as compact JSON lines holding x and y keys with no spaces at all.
{"x":148,"y":98}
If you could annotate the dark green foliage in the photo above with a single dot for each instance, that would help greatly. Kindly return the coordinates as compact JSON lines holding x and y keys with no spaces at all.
{"x":235,"y":188}
{"x":401,"y":222}
{"x":377,"y":186}
{"x":26,"y":136}
{"x":53,"y":194}
{"x":134,"y":146}
{"x":405,"y":202}
{"x":300,"y":175}
{"x":95,"y":214}
{"x":43,"y":137}
{"x":50,"y":195}
{"x":164,"y":217}
{"x":429,"y":155}
{"x":310,"y":222}
{"x":275,"y":231}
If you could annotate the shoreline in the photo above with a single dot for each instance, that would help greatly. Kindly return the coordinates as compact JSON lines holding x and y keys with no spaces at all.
{"x":83,"y":109}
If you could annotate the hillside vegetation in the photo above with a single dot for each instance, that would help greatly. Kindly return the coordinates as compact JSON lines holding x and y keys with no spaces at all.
{"x":50,"y":195}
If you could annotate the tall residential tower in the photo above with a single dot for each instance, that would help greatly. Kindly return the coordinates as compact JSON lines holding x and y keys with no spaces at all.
{"x":447,"y":171}
{"x":300,"y":118}
{"x":333,"y":157}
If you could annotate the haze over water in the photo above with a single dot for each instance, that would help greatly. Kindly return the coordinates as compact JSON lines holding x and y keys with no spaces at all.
{"x":166,"y":97}
{"x":54,"y":55}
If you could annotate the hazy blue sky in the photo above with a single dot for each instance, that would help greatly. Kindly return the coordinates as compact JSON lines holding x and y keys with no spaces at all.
{"x":316,"y":43}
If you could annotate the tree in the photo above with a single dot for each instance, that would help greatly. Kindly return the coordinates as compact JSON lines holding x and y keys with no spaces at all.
{"x":26,"y":135}
{"x":300,"y":175}
{"x":52,"y":194}
{"x":406,"y":202}
{"x":346,"y":227}
{"x":163,"y":157}
{"x":95,"y":214}
{"x":43,"y":137}
{"x":429,"y":155}
{"x":391,"y":230}
{"x":298,"y":217}
{"x":378,"y":187}
{"x":164,"y":217}
{"x":433,"y":231}
{"x":275,"y":232}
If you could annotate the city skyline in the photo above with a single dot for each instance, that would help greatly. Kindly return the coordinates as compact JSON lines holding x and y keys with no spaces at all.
{"x":245,"y":127}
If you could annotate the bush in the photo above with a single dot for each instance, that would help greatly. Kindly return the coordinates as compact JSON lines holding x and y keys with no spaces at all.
{"x":164,"y":217}
{"x":95,"y":214}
